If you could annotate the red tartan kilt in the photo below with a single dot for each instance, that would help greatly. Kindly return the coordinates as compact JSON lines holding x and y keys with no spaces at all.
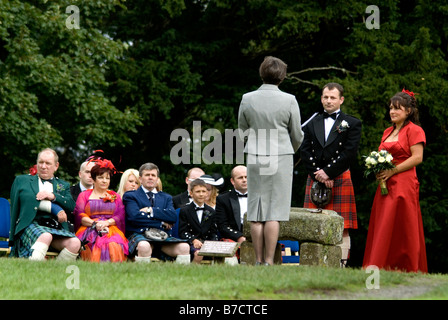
{"x":342,"y":201}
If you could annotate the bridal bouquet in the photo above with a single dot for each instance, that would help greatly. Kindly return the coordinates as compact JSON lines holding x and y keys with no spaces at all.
{"x":376,"y":162}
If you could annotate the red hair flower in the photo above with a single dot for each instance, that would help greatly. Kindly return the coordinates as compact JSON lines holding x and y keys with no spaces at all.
{"x":33,"y":170}
{"x":410,"y":93}
{"x":104,"y":163}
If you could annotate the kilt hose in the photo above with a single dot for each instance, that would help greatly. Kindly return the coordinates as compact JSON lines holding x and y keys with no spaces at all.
{"x":342,"y":199}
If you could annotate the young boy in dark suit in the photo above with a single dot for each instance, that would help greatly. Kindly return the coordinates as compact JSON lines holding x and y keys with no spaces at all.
{"x":197,"y":220}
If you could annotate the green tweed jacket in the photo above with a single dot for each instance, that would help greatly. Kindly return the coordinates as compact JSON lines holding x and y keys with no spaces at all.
{"x":24,"y":205}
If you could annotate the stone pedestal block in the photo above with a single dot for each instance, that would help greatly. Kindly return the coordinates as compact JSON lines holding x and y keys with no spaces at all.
{"x":325,"y":228}
{"x":316,"y":254}
{"x":305,"y":226}
{"x":318,"y":234}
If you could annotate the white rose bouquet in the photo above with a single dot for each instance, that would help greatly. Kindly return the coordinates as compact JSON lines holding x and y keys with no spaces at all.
{"x":376,"y":162}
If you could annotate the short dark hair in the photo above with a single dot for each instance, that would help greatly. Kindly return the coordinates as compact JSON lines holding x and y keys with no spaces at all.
{"x":148,"y":166}
{"x":272,"y":70}
{"x":97,"y":171}
{"x":197,"y":182}
{"x":334,"y":85}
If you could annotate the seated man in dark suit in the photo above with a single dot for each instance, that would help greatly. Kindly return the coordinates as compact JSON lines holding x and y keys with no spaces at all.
{"x":197,"y":220}
{"x":182,"y":199}
{"x":150,"y":210}
{"x":232,"y":206}
{"x":85,"y":180}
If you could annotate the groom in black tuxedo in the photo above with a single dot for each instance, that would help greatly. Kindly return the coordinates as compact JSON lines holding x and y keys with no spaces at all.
{"x":231,"y":206}
{"x":330,"y":145}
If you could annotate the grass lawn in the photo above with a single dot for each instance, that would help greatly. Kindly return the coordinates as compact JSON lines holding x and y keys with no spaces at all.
{"x":54,"y":280}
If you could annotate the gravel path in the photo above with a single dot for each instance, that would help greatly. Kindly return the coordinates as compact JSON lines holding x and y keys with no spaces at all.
{"x":398,"y":292}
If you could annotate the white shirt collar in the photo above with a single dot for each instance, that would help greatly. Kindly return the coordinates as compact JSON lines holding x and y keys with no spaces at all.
{"x":81,"y":186}
{"x":337,"y":112}
{"x":239,"y":192}
{"x":196,"y":205}
{"x":154,"y":190}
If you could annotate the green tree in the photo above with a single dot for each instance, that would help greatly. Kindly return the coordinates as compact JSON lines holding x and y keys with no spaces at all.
{"x":52,"y":83}
{"x":404,"y":53}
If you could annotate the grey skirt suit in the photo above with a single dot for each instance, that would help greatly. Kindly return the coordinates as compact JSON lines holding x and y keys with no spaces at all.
{"x":270,"y":121}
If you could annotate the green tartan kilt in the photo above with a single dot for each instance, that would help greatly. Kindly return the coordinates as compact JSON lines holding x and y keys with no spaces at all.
{"x":22,"y":246}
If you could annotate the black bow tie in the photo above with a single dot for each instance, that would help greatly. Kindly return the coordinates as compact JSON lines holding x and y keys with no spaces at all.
{"x":198,"y":208}
{"x":241,"y":195}
{"x":333,"y":115}
{"x":47,"y":180}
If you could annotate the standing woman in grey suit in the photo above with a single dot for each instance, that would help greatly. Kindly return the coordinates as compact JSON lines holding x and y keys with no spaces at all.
{"x":270,"y":119}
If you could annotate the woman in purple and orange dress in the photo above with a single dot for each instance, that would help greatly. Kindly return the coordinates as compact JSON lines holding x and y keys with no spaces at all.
{"x":100,"y":218}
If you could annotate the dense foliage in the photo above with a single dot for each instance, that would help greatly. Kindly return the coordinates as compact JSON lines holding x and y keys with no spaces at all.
{"x":136,"y":70}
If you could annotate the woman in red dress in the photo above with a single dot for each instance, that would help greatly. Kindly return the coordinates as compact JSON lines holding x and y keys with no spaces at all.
{"x":395,"y":239}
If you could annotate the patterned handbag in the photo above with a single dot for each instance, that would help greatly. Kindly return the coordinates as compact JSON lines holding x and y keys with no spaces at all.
{"x":49,"y":222}
{"x":320,"y":195}
{"x":156,"y":234}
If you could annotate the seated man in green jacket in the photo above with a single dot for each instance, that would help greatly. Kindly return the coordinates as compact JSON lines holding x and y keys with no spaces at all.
{"x":38,"y":213}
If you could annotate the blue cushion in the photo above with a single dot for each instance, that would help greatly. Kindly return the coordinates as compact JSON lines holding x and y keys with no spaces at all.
{"x":175,"y":229}
{"x":4,"y":244}
{"x":5,"y":216}
{"x":290,"y":259}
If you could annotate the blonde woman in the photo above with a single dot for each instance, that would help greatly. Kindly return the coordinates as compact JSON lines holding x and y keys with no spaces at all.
{"x":129,"y":181}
